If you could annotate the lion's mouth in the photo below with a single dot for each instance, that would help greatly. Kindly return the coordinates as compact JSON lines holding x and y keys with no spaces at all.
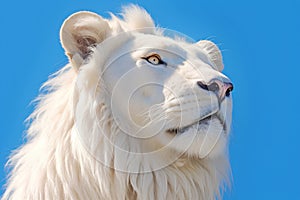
{"x":199,"y":124}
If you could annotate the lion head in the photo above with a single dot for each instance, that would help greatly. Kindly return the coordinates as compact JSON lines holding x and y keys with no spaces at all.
{"x":137,"y":114}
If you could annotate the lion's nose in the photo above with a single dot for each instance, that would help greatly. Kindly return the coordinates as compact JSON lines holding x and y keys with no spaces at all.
{"x":221,"y":89}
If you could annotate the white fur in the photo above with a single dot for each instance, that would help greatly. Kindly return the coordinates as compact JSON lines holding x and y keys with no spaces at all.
{"x":82,"y":143}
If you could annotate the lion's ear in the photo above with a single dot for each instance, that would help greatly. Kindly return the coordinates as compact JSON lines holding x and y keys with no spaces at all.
{"x":213,"y":52}
{"x":80,"y":32}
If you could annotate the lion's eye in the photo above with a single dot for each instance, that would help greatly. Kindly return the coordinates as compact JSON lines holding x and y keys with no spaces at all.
{"x":155,"y":60}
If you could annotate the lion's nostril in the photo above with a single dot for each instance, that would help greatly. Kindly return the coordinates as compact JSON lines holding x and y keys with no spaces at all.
{"x":202,"y":85}
{"x":229,"y":89}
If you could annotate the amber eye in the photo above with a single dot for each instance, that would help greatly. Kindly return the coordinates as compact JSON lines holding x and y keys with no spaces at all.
{"x":155,"y":60}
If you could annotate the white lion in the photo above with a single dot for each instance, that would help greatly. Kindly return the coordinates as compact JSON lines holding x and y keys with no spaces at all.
{"x":135,"y":115}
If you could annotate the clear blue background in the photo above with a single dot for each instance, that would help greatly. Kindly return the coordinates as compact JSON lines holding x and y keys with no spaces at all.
{"x":260,"y":42}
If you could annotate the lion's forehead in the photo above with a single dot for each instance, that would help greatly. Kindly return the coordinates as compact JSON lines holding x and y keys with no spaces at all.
{"x":165,"y":44}
{"x":139,"y":44}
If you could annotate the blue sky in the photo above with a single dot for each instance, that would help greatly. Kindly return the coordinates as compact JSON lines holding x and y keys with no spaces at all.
{"x":260,"y":41}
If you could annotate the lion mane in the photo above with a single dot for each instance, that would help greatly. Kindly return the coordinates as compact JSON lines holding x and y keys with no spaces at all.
{"x":55,"y":163}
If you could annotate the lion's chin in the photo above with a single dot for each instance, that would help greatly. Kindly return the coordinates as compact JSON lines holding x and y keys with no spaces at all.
{"x":207,"y":138}
{"x":201,"y":126}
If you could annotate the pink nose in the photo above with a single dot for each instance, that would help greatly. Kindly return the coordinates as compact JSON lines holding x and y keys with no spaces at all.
{"x":221,"y":89}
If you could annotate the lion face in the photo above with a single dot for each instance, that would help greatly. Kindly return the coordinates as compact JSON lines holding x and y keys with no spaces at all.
{"x":161,"y":92}
{"x":155,"y":93}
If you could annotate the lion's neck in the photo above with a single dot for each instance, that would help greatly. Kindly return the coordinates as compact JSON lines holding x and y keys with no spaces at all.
{"x":190,"y":179}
